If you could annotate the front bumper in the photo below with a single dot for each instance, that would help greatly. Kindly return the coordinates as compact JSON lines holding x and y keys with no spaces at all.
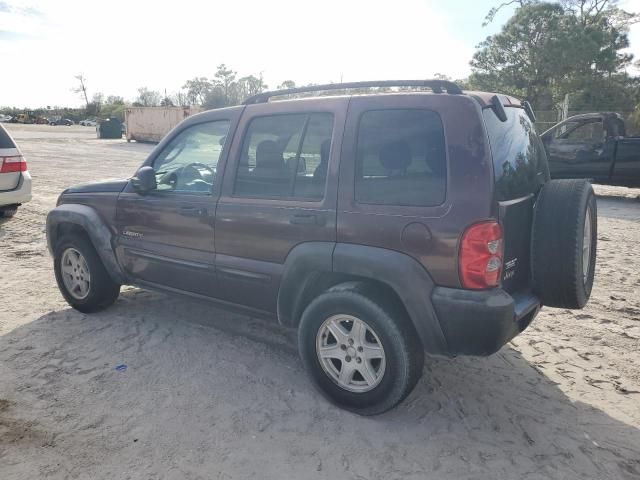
{"x":480,"y":322}
{"x":20,"y":194}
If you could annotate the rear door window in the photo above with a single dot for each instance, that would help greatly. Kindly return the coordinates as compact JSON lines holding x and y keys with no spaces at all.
{"x":285,"y":156}
{"x":519,"y":160}
{"x":400,"y":158}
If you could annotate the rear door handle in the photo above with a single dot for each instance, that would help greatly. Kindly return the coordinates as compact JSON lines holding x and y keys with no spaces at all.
{"x":193,"y":211}
{"x":306,"y":219}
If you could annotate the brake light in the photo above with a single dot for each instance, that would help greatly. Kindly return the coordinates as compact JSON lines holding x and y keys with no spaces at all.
{"x":12,"y":164}
{"x":481,"y":255}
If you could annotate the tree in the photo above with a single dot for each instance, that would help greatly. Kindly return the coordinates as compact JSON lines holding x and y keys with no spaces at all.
{"x":197,"y":89}
{"x":114,"y":100}
{"x":248,"y":86}
{"x":113,"y":106}
{"x":546,"y":50}
{"x":525,"y":57}
{"x":286,"y":85}
{"x":225,"y":78}
{"x":166,"y":102}
{"x":147,"y":98}
{"x":82,"y":88}
{"x":181,"y":98}
{"x":586,"y":10}
{"x":215,"y":99}
{"x":94,"y":107}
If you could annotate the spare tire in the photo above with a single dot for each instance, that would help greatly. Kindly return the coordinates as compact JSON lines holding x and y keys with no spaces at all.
{"x":563,"y":246}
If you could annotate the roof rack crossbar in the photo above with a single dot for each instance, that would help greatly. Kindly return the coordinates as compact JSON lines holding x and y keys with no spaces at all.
{"x":436,"y":85}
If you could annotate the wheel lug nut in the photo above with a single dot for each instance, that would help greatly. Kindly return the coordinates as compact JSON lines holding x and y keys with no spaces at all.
{"x":360,"y":349}
{"x":348,"y":358}
{"x":351,"y":341}
{"x":343,"y":347}
{"x":359,"y":360}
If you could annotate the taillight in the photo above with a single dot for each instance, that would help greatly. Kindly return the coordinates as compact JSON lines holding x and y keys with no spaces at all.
{"x":15,"y":163}
{"x":481,"y":254}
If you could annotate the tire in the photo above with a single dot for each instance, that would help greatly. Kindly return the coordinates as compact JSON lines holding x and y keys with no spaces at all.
{"x":8,"y":212}
{"x":386,"y":326}
{"x":559,"y":249}
{"x":101,"y":291}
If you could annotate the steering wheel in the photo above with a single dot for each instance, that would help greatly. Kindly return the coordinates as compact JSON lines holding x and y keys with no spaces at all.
{"x":191,"y":172}
{"x":203,"y":165}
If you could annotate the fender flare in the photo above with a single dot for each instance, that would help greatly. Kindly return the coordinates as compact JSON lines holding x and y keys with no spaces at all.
{"x":400,"y":272}
{"x":301,"y":266}
{"x":89,"y":220}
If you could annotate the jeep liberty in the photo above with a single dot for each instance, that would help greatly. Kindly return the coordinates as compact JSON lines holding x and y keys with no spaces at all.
{"x":382,"y":225}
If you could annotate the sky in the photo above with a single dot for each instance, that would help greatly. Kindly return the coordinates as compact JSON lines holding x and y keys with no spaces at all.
{"x":120,"y":45}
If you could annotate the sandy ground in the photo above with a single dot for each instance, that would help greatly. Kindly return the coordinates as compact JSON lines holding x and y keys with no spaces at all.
{"x":212,"y":395}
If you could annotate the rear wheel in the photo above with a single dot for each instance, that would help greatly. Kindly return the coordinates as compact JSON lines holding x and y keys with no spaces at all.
{"x":82,"y":279}
{"x":361,"y":353}
{"x":563,"y":249}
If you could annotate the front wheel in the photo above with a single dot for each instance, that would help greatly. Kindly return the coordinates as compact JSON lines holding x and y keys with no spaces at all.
{"x":362,"y":354}
{"x":82,"y":279}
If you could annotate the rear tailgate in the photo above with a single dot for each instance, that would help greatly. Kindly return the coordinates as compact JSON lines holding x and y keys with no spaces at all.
{"x":520,"y":169}
{"x":8,"y":181}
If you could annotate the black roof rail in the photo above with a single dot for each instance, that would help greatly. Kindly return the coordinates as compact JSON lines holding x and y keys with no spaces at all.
{"x":436,"y":85}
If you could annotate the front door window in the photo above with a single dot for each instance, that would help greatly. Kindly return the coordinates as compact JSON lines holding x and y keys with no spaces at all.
{"x":189,"y":162}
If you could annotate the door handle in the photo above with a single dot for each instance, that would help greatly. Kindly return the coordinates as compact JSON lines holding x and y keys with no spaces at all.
{"x":193,"y":211}
{"x":306,"y":219}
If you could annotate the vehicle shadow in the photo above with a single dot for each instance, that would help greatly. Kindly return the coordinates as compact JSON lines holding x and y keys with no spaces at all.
{"x":619,"y":207}
{"x":220,"y":395}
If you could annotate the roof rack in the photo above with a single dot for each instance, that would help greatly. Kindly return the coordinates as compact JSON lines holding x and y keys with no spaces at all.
{"x":437,"y":86}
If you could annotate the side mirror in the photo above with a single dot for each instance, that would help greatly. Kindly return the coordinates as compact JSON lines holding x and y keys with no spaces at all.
{"x":145,"y":180}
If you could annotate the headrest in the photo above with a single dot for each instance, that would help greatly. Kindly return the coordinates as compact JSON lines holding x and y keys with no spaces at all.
{"x":395,"y":155}
{"x":269,"y":155}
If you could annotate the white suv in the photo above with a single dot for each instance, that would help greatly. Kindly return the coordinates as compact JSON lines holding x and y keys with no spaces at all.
{"x":15,"y":181}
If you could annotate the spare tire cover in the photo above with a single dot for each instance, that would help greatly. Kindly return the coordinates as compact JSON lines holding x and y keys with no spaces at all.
{"x":563,"y":245}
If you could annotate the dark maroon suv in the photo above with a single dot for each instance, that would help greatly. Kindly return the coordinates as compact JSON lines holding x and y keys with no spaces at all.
{"x":381,"y":225}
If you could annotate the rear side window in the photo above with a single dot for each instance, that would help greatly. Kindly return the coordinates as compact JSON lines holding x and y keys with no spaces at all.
{"x":285,"y":156}
{"x":519,"y":160}
{"x":400,"y":158}
{"x":5,"y":139}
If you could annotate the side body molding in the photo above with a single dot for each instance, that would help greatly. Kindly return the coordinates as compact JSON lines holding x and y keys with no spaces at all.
{"x":99,"y":234}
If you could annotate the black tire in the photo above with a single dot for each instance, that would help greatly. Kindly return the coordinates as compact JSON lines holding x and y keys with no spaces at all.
{"x":403,"y":351}
{"x":8,"y":212}
{"x":103,"y":291}
{"x":558,"y":240}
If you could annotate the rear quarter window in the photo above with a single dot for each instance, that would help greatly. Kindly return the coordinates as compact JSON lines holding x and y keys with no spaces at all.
{"x":519,"y":159}
{"x":400,"y":158}
{"x":5,"y":139}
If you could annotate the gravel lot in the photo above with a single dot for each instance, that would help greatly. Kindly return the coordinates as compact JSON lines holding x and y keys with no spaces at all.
{"x":212,"y":395}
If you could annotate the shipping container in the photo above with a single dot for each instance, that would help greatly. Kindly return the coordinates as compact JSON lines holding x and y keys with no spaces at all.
{"x":151,"y":124}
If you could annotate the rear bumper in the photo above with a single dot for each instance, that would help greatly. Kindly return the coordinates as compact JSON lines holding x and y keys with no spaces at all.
{"x":480,"y":322}
{"x":20,"y":194}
